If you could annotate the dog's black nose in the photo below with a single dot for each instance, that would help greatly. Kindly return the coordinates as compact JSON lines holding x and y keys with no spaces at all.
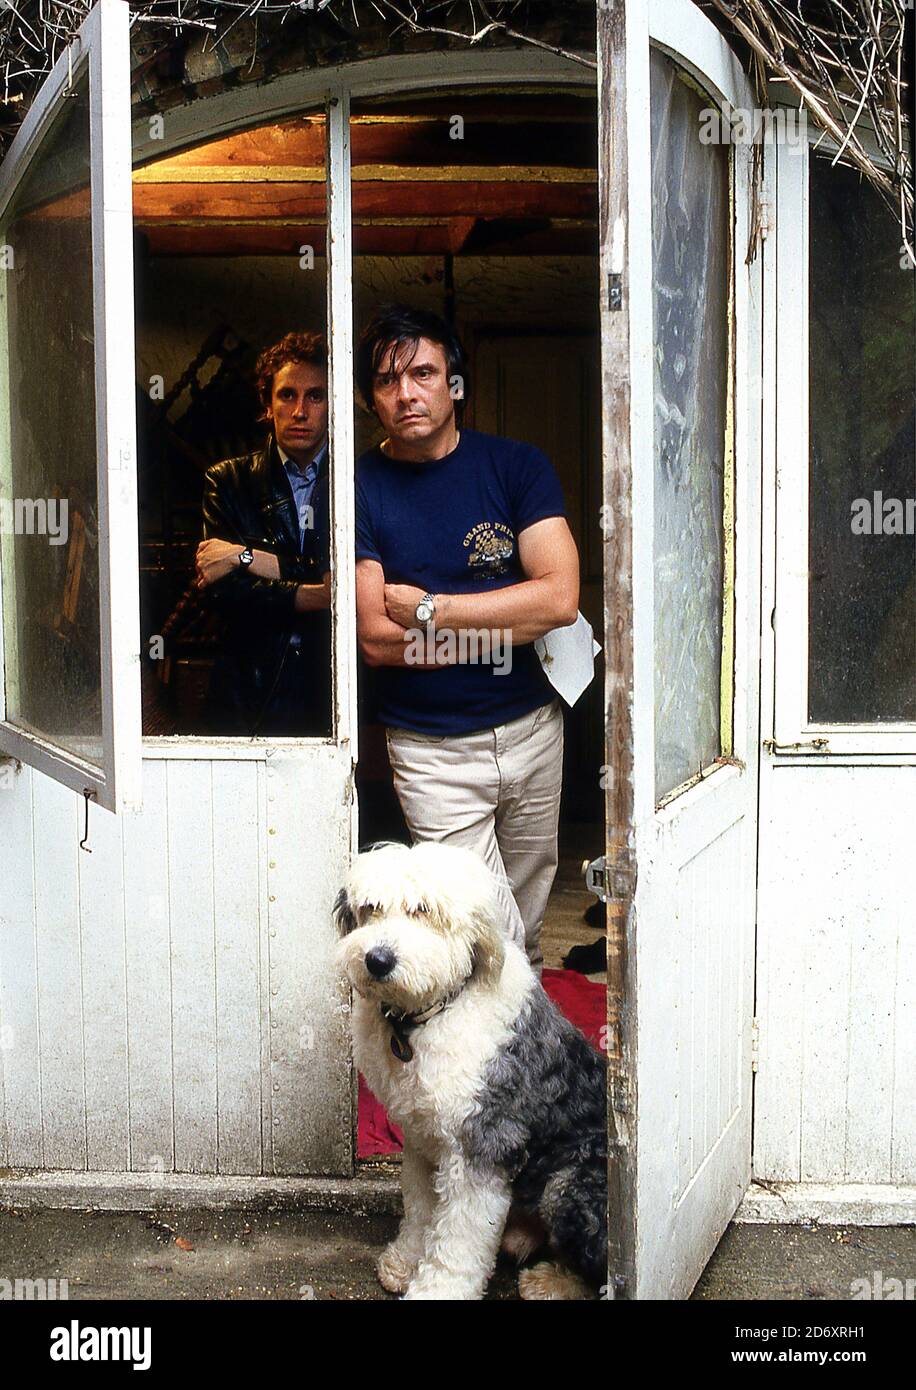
{"x":380,"y":962}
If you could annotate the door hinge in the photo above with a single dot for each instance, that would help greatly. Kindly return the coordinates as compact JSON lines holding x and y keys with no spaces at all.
{"x":617,"y":1288}
{"x":755,"y":1045}
{"x":765,"y":218}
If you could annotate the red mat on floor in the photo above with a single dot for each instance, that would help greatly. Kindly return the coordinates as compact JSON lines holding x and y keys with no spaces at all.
{"x":584,"y":1002}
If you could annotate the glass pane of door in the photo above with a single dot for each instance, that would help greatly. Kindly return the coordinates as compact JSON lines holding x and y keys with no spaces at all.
{"x":49,"y":537}
{"x":68,"y":508}
{"x":232,"y":364}
{"x":862,"y":554}
{"x":690,"y":232}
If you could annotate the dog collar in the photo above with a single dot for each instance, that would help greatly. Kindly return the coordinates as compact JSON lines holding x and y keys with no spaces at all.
{"x":403,"y":1024}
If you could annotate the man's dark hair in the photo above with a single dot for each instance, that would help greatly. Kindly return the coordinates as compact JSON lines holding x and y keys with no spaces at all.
{"x":394,"y":326}
{"x":310,"y":348}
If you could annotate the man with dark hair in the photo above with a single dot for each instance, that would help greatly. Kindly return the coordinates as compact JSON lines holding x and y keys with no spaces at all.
{"x":464,"y":559}
{"x":398,"y":324}
{"x":265,"y":552}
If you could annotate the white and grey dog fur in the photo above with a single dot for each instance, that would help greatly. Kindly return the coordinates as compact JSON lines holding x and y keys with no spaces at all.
{"x":501,"y":1100}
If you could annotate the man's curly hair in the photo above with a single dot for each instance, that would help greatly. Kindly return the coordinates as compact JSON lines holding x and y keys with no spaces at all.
{"x":310,"y":348}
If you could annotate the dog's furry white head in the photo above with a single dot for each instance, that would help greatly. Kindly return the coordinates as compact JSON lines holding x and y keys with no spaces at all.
{"x":420,"y":921}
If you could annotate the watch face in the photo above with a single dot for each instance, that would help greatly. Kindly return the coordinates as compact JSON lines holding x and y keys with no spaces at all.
{"x":246,"y":557}
{"x":424,"y":611}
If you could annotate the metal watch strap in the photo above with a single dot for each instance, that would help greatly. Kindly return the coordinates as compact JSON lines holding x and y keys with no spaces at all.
{"x":430,"y":600}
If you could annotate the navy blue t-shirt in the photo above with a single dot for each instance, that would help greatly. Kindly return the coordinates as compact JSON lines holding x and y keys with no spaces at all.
{"x":451,"y":526}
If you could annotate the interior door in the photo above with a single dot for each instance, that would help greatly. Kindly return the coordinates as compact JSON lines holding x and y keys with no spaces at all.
{"x":681,"y":377}
{"x":69,"y":639}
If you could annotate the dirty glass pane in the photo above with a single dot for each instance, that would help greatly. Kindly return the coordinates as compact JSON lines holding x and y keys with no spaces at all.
{"x":690,"y":274}
{"x":49,"y":525}
{"x":231,"y":259}
{"x":862,"y":547}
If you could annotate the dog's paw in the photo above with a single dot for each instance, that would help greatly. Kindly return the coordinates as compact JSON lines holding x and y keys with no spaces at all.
{"x":523,"y":1235}
{"x":442,"y":1291}
{"x":394,"y":1269}
{"x":551,"y":1281}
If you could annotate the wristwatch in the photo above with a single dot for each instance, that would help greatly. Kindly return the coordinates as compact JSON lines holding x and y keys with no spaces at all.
{"x":246,"y":558}
{"x":426,"y":609}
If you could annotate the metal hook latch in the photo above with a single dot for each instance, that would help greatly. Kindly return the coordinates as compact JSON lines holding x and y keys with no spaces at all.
{"x":84,"y":842}
{"x":68,"y":89}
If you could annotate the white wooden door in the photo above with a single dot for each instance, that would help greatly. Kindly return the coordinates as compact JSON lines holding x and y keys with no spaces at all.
{"x":69,"y":636}
{"x":168,"y":1000}
{"x":681,"y":387}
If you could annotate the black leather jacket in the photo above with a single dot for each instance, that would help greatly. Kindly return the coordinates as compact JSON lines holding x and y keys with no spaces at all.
{"x":258,"y":680}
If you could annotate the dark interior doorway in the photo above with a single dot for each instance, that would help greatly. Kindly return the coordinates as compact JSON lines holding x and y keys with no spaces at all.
{"x":480,"y":206}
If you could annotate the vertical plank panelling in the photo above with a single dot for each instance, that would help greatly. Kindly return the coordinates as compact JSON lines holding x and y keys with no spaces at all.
{"x":7,"y":776}
{"x":683,"y":968}
{"x":870,"y":1053}
{"x":149,"y":982}
{"x":708,"y":964}
{"x":903,"y":1140}
{"x":780,"y":1010}
{"x":266,"y":865}
{"x":18,"y":977}
{"x":310,"y":1072}
{"x":703,"y":934}
{"x":835,"y":1090}
{"x":824,"y":1045}
{"x":194,"y":1075}
{"x":104,"y":993}
{"x":58,"y":829}
{"x":739,"y":974}
{"x":237,"y":918}
{"x":685,"y":1047}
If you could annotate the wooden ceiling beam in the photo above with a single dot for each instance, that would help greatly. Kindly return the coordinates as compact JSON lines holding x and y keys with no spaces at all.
{"x":364,"y":173}
{"x":224,"y":239}
{"x":405,"y":146}
{"x":260,"y":202}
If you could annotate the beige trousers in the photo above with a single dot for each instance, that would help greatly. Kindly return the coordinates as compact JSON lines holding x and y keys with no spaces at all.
{"x":496,"y":791}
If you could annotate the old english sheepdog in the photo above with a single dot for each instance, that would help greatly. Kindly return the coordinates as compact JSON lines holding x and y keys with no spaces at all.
{"x":501,"y":1100}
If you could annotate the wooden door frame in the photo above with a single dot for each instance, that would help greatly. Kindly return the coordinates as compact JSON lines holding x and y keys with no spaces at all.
{"x":615,"y":198}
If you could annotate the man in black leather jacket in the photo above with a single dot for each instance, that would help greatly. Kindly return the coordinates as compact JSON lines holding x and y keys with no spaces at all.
{"x":264,"y":559}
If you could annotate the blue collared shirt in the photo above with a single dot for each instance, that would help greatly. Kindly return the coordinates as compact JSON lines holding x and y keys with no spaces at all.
{"x":302,"y":482}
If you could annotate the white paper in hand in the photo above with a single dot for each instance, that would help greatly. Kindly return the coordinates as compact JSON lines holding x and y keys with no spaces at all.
{"x":567,"y":655}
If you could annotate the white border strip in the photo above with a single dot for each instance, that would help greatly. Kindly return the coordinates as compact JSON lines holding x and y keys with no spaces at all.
{"x":378,"y":1191}
{"x":829,"y":1204}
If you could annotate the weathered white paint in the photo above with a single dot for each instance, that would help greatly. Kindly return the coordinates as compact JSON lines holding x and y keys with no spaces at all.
{"x":835,"y":1090}
{"x":695,"y":856}
{"x":835,"y":1096}
{"x":373,"y":1189}
{"x":171,"y":996}
{"x":830,"y":1204}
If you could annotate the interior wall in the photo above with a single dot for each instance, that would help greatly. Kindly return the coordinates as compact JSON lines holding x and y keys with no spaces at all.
{"x":184,"y":299}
